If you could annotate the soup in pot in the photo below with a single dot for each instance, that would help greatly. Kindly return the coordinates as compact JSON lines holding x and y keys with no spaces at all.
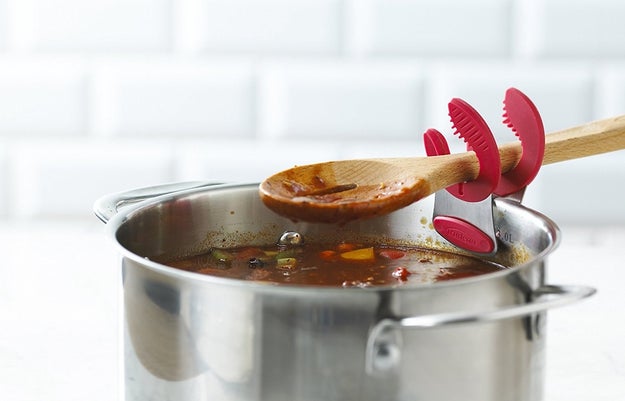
{"x":346,"y":264}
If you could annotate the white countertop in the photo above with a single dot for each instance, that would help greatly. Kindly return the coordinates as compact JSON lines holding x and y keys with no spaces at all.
{"x":60,"y":315}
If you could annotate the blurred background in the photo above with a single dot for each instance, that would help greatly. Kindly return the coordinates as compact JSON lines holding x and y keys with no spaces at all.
{"x":103,"y":96}
{"x":100,"y":96}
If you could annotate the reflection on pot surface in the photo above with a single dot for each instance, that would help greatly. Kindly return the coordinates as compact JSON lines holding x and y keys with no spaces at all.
{"x":193,"y":336}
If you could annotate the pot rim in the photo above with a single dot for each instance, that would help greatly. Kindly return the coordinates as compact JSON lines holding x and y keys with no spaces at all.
{"x":122,"y":216}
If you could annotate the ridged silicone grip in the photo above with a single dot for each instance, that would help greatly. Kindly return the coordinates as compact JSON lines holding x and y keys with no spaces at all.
{"x":522,"y":116}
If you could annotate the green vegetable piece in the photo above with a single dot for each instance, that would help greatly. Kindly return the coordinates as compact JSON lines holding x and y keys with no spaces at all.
{"x":221,"y":255}
{"x":286,"y":263}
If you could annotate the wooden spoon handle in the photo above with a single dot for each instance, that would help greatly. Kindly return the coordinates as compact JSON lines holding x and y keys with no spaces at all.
{"x":586,"y":140}
{"x":590,"y":139}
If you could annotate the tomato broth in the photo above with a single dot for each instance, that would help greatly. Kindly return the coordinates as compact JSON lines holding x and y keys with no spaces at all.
{"x":343,"y":264}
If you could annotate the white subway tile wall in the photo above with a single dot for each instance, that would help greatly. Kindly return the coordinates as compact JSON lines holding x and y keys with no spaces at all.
{"x":97,"y":26}
{"x":3,"y":182}
{"x":303,"y":27}
{"x":160,"y":97}
{"x":585,"y":28}
{"x":443,"y":28}
{"x":42,"y":96}
{"x":3,"y":25}
{"x":61,"y":178}
{"x":340,"y":99}
{"x":103,"y":96}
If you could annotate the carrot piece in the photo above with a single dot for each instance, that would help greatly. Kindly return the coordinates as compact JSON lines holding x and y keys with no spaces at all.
{"x":327,"y":254}
{"x":392,"y":254}
{"x":362,"y":254}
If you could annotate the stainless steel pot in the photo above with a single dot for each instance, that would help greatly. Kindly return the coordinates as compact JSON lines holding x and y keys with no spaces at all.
{"x":197,"y":337}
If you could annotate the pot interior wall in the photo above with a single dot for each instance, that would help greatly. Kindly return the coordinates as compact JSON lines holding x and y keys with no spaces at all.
{"x":192,"y":222}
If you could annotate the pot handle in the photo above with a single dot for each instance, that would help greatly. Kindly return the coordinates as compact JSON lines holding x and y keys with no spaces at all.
{"x":382,"y":344}
{"x":107,"y":206}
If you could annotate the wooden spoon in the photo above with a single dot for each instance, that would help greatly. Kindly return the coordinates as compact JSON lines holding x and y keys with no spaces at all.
{"x":340,"y":191}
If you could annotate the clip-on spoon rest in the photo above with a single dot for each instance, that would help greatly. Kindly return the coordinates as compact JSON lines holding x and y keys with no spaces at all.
{"x":463,"y":213}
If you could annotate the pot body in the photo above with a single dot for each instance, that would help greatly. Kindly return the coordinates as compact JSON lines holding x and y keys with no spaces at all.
{"x":195,"y":337}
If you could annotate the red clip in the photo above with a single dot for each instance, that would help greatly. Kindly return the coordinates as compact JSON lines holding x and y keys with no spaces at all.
{"x":473,"y":129}
{"x":522,"y":116}
{"x":470,"y":126}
